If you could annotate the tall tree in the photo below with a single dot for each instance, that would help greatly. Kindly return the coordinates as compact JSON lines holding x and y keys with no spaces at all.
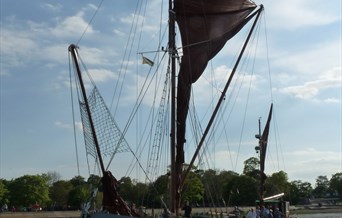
{"x":212,"y":193}
{"x":140,"y":189}
{"x":77,"y":181}
{"x":299,"y":191}
{"x":94,"y":181}
{"x":29,"y":190}
{"x":79,"y":193}
{"x":51,"y":177}
{"x":251,"y":168}
{"x":277,"y":183}
{"x":125,"y":188}
{"x":59,"y":194}
{"x":336,"y":183}
{"x":241,"y":190}
{"x":322,"y":185}
{"x":160,"y":190}
{"x":3,"y":193}
{"x":193,"y":189}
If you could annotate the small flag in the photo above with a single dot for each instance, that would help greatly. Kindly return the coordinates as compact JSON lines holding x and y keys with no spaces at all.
{"x":145,"y":60}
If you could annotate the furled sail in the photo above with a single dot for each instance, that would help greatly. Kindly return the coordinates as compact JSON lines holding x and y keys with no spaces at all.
{"x":263,"y":147}
{"x":264,"y":139}
{"x":205,"y":26}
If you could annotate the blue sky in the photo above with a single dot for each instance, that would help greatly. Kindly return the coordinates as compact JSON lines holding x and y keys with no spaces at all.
{"x":304,"y":50}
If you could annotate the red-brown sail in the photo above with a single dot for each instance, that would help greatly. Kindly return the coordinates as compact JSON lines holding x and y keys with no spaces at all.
{"x":263,"y":147}
{"x":205,"y":27}
{"x":264,"y":139}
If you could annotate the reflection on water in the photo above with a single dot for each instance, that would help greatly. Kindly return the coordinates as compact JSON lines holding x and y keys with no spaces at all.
{"x":320,"y":215}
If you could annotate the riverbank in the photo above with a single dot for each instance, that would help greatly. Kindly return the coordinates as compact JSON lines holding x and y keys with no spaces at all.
{"x":41,"y":214}
{"x":157,"y":212}
{"x":316,"y":209}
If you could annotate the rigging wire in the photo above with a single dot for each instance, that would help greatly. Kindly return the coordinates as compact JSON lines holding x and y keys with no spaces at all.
{"x":73,"y":117}
{"x":124,"y":63}
{"x":277,"y":136}
{"x":91,"y":20}
{"x":255,"y":37}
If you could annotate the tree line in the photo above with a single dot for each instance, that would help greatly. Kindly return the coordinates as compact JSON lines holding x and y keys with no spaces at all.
{"x":203,"y":188}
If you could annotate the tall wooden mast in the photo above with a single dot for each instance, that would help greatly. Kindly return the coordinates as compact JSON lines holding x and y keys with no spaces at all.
{"x":259,"y":150}
{"x":172,"y":53}
{"x":74,"y":55}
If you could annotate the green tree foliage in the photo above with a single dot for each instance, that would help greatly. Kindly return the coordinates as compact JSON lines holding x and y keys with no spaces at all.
{"x":251,"y":168}
{"x":140,"y":191}
{"x":94,"y":181}
{"x":336,"y":183}
{"x":214,"y":183}
{"x":322,"y":186}
{"x":51,"y":177}
{"x":3,"y":193}
{"x":277,"y":183}
{"x":210,"y":184}
{"x":193,"y":189}
{"x":241,"y":190}
{"x":159,"y":190}
{"x":77,"y":196}
{"x":299,"y":191}
{"x":125,"y":188}
{"x":27,"y":190}
{"x":78,"y":181}
{"x":207,"y":188}
{"x":59,"y":194}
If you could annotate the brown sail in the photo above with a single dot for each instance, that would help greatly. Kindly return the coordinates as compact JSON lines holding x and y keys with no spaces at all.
{"x":263,"y":148}
{"x":205,"y":26}
{"x":264,"y":139}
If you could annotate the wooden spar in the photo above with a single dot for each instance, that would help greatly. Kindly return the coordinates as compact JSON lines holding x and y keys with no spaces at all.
{"x":73,"y":51}
{"x":258,"y":12}
{"x":174,"y":200}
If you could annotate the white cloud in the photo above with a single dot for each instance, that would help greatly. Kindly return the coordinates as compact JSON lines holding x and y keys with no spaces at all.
{"x":118,"y":32}
{"x":293,"y":14}
{"x":72,"y":26}
{"x":310,"y":60}
{"x":96,"y":56}
{"x":332,"y":100}
{"x":102,"y":75}
{"x":310,"y":89}
{"x":92,"y":6}
{"x":15,"y":47}
{"x":218,"y":78}
{"x":131,"y":18}
{"x":52,"y":7}
{"x":62,"y":125}
{"x":307,"y":164}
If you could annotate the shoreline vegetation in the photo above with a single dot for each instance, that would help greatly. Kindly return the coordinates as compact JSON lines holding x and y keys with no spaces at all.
{"x":215,"y":212}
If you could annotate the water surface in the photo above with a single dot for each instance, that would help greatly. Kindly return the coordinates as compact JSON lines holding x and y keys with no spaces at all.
{"x":319,"y":215}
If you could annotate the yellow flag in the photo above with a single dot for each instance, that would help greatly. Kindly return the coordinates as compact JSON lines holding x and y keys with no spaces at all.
{"x":145,"y":60}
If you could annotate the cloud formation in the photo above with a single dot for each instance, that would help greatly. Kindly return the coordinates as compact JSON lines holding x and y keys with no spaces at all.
{"x":310,"y":89}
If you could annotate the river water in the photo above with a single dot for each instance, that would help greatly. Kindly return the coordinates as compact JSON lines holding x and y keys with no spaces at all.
{"x":319,"y":215}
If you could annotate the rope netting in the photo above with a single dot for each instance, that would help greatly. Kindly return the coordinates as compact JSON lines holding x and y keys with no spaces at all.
{"x":109,"y":136}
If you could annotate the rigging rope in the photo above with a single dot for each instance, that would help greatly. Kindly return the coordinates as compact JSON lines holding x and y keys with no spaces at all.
{"x":276,"y":132}
{"x":73,"y":116}
{"x":91,"y":20}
